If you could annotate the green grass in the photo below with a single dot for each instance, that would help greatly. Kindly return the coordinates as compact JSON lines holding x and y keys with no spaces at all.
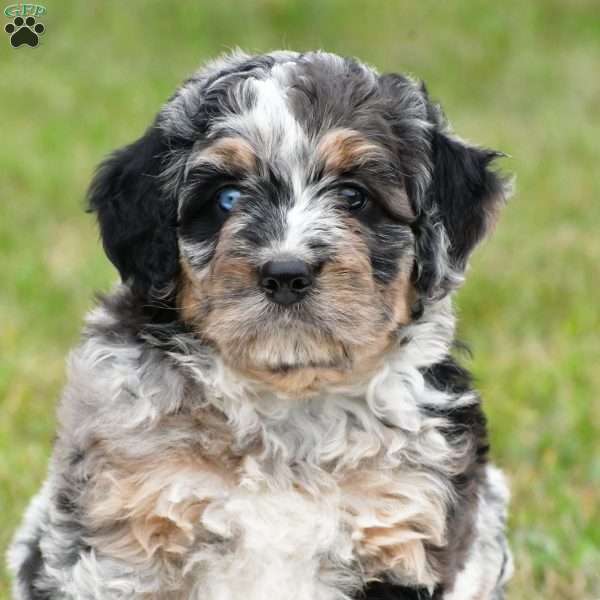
{"x":520,"y":76}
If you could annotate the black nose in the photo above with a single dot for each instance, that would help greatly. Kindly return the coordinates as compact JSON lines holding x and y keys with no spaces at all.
{"x":286,"y":281}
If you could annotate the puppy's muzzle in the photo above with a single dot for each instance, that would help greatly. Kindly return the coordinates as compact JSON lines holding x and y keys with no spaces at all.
{"x":286,"y":281}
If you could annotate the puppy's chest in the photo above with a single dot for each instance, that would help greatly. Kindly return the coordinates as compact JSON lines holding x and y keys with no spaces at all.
{"x":252,"y":524}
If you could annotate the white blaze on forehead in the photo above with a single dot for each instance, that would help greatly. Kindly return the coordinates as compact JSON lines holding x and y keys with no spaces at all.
{"x":269,"y":125}
{"x":279,"y":139}
{"x":273,"y":116}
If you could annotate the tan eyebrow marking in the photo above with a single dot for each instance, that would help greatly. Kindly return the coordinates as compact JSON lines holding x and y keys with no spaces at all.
{"x":345,"y":149}
{"x":231,"y":152}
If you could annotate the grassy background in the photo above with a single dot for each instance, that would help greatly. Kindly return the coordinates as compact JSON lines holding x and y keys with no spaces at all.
{"x":519,"y":76}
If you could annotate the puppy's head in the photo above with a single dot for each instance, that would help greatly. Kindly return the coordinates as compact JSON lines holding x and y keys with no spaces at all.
{"x":298,"y":208}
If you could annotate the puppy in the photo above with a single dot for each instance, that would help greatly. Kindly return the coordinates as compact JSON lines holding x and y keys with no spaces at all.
{"x":267,"y":405}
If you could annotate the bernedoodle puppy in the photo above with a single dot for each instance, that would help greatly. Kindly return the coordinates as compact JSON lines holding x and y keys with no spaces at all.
{"x":267,"y":407}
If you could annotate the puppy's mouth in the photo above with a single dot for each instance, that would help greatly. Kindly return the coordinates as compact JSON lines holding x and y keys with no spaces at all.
{"x":341,"y":364}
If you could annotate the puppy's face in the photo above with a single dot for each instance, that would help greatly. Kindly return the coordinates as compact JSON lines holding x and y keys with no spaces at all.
{"x":296,"y":246}
{"x":301,"y":205}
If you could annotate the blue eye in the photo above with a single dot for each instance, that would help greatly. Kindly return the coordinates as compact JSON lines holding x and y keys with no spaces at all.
{"x":228,"y":197}
{"x":355,"y":198}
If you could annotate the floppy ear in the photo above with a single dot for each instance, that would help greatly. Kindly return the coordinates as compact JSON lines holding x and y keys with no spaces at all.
{"x":463,"y":201}
{"x":467,"y":193}
{"x":137,"y":220}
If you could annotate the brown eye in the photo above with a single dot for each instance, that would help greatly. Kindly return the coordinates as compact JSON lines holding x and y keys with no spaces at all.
{"x":354,"y":197}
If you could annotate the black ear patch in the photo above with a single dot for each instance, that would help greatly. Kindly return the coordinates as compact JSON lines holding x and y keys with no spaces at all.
{"x":137,"y":221}
{"x":466,"y":194}
{"x":461,"y":205}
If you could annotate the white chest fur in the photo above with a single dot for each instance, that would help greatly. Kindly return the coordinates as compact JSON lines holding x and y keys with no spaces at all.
{"x":323,"y":492}
{"x":281,"y":545}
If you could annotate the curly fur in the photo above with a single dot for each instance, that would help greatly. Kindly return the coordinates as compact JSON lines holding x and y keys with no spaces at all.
{"x":214,"y":445}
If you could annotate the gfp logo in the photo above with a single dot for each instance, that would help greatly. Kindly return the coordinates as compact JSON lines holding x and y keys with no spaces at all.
{"x":25,"y":10}
{"x":24,"y":29}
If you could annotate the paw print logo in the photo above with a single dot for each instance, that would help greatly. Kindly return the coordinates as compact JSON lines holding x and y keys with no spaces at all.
{"x":24,"y":32}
